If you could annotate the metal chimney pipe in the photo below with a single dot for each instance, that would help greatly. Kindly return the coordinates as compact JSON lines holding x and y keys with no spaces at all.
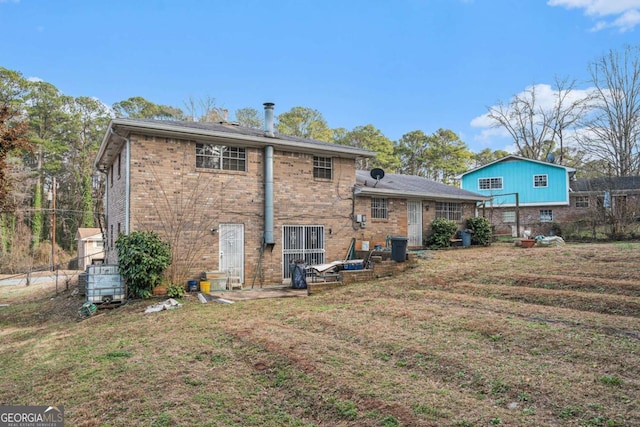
{"x":268,"y":195}
{"x":268,"y":175}
{"x":268,"y":119}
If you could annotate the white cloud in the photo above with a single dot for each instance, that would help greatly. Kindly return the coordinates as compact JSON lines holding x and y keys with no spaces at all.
{"x":622,"y":14}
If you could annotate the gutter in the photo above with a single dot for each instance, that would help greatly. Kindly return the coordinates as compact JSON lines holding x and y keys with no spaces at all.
{"x":368,"y":191}
{"x":233,"y":138}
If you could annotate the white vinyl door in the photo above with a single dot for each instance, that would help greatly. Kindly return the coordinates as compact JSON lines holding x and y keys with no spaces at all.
{"x":414,"y":222}
{"x":232,"y":250}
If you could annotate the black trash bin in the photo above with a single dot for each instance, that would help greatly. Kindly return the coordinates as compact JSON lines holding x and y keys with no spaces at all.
{"x":466,"y":237}
{"x":399,"y":249}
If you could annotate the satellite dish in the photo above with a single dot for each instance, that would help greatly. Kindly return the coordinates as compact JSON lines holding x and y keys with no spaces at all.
{"x":377,"y":174}
{"x":551,"y":158}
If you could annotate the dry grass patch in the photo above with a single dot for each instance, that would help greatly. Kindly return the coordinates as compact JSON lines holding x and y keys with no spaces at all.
{"x":450,"y":343}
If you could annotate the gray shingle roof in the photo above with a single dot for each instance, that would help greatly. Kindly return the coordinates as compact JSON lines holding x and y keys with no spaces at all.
{"x":232,"y":128}
{"x":232,"y":133}
{"x":416,"y":186}
{"x":606,"y":184}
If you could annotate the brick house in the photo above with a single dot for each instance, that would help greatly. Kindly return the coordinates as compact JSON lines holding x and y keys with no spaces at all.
{"x":606,"y":200}
{"x":244,"y":201}
{"x":406,"y":205}
{"x":228,"y":198}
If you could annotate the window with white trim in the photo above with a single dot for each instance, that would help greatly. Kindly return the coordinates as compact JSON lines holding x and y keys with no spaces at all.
{"x":379,"y":208}
{"x":490,"y":183}
{"x":540,"y":181}
{"x":582,"y":201}
{"x":449,"y":210}
{"x":546,"y":215}
{"x":509,"y":216}
{"x":220,"y":157}
{"x":322,"y":167}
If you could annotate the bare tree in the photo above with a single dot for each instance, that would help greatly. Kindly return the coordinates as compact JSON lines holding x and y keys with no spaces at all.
{"x":569,"y":108}
{"x":535,"y":124}
{"x":204,"y":110}
{"x":613,"y":127}
{"x":523,"y":119}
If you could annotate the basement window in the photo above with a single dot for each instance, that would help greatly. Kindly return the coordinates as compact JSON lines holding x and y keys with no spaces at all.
{"x":322,"y":167}
{"x":221,"y":157}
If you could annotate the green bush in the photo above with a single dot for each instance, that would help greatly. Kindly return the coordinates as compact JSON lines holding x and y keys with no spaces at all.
{"x":480,"y":231}
{"x":175,"y":291}
{"x":556,"y":229}
{"x":441,"y":231}
{"x":142,"y":258}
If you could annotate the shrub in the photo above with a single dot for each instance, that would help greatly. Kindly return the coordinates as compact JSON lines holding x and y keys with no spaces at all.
{"x":142,"y":258}
{"x":175,"y":291}
{"x":556,"y":229}
{"x":442,"y":230}
{"x":480,"y":231}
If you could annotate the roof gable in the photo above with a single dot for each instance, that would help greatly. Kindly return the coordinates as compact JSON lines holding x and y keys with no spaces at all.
{"x":86,"y":233}
{"x":513,"y":157}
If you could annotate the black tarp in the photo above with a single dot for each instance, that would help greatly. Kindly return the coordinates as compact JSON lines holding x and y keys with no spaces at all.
{"x":298,"y":275}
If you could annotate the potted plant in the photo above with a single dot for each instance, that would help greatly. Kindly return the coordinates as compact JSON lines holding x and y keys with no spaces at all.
{"x":527,"y":243}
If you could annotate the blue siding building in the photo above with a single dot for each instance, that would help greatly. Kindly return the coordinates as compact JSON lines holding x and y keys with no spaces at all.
{"x":540,"y":186}
{"x":537,"y":183}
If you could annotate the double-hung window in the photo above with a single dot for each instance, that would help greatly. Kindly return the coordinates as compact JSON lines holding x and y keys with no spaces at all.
{"x":540,"y":181}
{"x":221,"y":157}
{"x":490,"y":183}
{"x":582,"y":201}
{"x":322,"y":167}
{"x":546,"y":215}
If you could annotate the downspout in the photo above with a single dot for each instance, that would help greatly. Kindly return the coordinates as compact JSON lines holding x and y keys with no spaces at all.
{"x":127,"y":183}
{"x":127,"y":187}
{"x":268,"y":176}
{"x":103,"y":227}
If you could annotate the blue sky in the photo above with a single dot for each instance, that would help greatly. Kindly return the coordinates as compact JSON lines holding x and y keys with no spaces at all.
{"x":400,"y":65}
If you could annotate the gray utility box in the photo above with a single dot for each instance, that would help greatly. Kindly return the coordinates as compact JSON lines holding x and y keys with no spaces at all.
{"x":104,"y":284}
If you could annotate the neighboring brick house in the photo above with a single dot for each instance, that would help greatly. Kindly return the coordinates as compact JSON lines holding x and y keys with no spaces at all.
{"x":606,"y":200}
{"x":229,"y":198}
{"x":527,"y":194}
{"x":406,"y":205}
